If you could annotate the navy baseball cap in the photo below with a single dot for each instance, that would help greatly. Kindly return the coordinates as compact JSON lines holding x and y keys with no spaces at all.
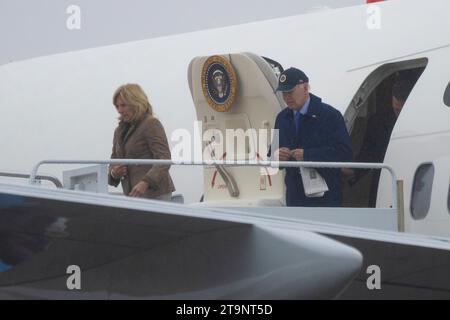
{"x":289,"y":78}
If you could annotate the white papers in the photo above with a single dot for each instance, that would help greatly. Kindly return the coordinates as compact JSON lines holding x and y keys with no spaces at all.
{"x":313,"y":183}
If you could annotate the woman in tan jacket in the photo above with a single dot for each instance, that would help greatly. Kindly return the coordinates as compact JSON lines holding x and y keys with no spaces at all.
{"x":139,"y":135}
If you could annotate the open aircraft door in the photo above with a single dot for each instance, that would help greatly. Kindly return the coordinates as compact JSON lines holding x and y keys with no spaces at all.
{"x":236,"y":106}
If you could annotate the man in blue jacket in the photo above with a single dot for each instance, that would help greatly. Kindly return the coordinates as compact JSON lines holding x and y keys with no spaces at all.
{"x":310,"y":130}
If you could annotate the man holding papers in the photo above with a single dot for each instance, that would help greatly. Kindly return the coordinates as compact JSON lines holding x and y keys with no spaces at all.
{"x":310,"y":130}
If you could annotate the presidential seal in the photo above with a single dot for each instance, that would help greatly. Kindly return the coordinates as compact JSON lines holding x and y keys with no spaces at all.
{"x":219,"y":83}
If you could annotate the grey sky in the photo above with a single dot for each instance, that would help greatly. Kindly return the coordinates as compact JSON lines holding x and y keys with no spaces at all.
{"x":35,"y":28}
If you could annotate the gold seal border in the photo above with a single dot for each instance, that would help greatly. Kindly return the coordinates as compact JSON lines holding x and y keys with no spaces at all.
{"x":220,"y":107}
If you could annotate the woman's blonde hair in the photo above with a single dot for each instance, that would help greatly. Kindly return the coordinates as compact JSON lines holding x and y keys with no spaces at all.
{"x":133,"y":95}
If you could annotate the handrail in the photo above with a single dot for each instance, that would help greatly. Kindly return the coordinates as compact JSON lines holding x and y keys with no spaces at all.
{"x":228,"y":178}
{"x":232,"y":187}
{"x":54,"y":180}
{"x":239,"y":163}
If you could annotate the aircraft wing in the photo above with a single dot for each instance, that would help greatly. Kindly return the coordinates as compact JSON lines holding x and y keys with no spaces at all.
{"x":127,"y":248}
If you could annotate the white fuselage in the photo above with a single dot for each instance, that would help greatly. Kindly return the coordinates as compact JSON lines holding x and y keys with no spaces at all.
{"x":61,"y":106}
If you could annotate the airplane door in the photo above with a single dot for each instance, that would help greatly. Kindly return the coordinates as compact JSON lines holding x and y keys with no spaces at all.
{"x":236,"y":104}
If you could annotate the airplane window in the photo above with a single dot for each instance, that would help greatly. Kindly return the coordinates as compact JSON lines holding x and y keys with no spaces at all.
{"x":447,"y":95}
{"x":421,"y":191}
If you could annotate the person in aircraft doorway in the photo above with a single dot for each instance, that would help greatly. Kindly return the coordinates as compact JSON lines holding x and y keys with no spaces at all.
{"x":378,"y":134}
{"x":310,"y":130}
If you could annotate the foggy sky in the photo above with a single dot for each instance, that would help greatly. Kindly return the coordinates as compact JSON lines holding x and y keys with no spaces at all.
{"x":35,"y":28}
